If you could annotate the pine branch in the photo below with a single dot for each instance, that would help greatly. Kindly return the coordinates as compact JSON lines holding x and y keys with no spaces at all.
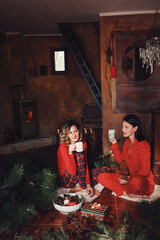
{"x":61,"y":235}
{"x":14,"y":177}
{"x":48,"y":186}
{"x":25,"y":212}
{"x":104,"y":233}
{"x":24,"y":237}
{"x":48,"y":236}
{"x":25,"y":193}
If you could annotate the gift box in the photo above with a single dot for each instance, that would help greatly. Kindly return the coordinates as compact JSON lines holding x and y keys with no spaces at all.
{"x":95,"y":210}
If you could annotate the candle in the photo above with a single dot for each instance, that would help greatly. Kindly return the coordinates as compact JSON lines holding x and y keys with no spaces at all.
{"x":111,"y":133}
{"x":66,"y":201}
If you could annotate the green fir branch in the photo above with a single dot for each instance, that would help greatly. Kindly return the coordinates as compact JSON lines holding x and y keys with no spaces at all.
{"x":124,"y":232}
{"x":24,"y":236}
{"x":104,"y":233}
{"x":4,"y":193}
{"x":25,"y":212}
{"x":14,"y":177}
{"x":48,"y":236}
{"x":48,"y":185}
{"x":26,"y":190}
{"x":61,"y":234}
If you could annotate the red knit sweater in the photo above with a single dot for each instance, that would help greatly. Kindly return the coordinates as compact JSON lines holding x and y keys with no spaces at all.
{"x":67,"y":161}
{"x":137,"y":157}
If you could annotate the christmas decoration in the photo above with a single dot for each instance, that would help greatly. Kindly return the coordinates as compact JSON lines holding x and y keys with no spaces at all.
{"x":24,"y":193}
{"x":113,"y":67}
{"x":124,"y":232}
{"x":27,"y":188}
{"x":89,"y":228}
{"x":24,"y":237}
{"x":95,"y":210}
{"x":106,"y":159}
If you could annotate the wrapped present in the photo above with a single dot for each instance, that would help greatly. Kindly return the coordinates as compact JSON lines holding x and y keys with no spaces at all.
{"x":95,"y":210}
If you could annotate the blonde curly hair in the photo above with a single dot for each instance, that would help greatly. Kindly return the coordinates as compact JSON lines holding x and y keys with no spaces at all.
{"x":63,"y":135}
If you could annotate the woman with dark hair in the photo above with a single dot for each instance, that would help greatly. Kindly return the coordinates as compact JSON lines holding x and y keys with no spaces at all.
{"x":134,"y":177}
{"x":135,"y":121}
{"x":72,"y":162}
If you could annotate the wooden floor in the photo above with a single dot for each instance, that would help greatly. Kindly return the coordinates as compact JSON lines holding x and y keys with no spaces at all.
{"x":54,"y":220}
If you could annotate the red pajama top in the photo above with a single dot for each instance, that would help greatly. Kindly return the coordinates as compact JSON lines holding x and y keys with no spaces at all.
{"x":67,"y":161}
{"x":137,"y":157}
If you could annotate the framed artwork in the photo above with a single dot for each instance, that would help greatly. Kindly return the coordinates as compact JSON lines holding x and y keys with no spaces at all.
{"x":59,"y":61}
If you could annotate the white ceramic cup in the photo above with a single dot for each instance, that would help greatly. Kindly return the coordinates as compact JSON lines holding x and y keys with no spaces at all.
{"x":79,"y":146}
{"x":111,"y":133}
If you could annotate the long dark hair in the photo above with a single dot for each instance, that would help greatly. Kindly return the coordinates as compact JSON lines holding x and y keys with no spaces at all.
{"x":135,"y":121}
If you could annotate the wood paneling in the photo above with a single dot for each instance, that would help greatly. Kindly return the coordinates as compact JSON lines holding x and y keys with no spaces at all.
{"x":112,"y":118}
{"x":137,"y":98}
{"x":133,"y":95}
{"x":156,"y":134}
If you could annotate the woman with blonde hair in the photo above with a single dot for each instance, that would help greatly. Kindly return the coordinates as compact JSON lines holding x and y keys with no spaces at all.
{"x":72,"y":163}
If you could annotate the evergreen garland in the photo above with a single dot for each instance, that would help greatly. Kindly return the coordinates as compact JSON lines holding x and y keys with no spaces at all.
{"x":23,"y":195}
{"x":147,"y":228}
{"x":124,"y":232}
{"x":24,"y":237}
{"x":106,"y":159}
{"x":47,"y":235}
{"x":27,"y":188}
{"x":60,"y":235}
{"x":149,"y":215}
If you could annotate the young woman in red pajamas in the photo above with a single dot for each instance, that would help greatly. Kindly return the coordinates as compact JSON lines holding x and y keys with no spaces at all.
{"x":72,"y":165}
{"x":136,"y":155}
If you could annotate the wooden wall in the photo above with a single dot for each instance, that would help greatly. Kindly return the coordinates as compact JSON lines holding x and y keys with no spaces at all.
{"x":58,"y":97}
{"x":113,"y":119}
{"x":136,"y":89}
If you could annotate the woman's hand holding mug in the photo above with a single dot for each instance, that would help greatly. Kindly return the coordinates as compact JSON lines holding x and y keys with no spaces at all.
{"x":112,"y":135}
{"x":72,"y":148}
{"x":112,"y":140}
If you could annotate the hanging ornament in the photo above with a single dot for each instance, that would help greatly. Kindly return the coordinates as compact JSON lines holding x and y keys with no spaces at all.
{"x":113,"y":67}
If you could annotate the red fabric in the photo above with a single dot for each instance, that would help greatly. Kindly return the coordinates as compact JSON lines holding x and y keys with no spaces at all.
{"x":138,"y":161}
{"x":67,"y":161}
{"x":111,"y":182}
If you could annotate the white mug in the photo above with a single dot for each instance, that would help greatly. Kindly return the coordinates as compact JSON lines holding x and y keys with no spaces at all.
{"x":79,"y":146}
{"x":111,"y":133}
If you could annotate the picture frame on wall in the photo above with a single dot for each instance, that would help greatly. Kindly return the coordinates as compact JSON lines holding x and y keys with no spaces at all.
{"x":59,"y":61}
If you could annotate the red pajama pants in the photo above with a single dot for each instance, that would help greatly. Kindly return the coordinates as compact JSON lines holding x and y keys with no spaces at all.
{"x":135,"y":184}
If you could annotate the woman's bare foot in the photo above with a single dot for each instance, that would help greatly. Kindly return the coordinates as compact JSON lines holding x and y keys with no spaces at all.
{"x":77,"y":188}
{"x":132,"y":195}
{"x":139,"y":196}
{"x":84,"y":190}
{"x":96,"y":192}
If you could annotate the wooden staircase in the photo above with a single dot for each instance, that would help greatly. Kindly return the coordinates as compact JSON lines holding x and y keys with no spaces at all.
{"x":68,"y":36}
